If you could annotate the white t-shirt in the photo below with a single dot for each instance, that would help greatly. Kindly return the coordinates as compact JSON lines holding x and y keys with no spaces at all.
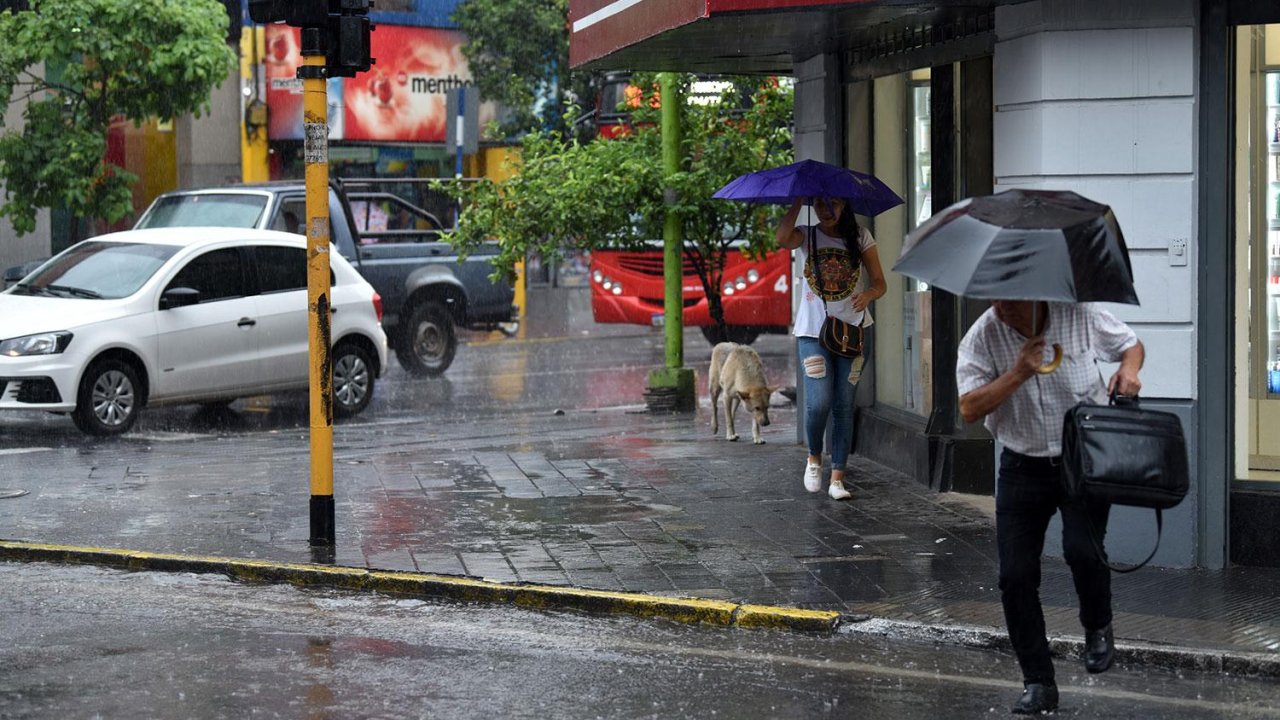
{"x":836,"y":300}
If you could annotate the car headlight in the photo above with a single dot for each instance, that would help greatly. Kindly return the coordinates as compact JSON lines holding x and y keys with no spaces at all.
{"x":50,"y":343}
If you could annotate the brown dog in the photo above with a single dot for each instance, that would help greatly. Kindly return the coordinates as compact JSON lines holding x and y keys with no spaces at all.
{"x":737,"y":373}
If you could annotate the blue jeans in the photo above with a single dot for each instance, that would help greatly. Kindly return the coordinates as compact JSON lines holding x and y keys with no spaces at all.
{"x":1028,"y":493}
{"x":829,"y":385}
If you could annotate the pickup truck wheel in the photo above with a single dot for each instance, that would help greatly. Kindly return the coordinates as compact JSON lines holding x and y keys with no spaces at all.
{"x":429,"y":341}
{"x":732,"y":333}
{"x":107,"y":401}
{"x":352,"y":379}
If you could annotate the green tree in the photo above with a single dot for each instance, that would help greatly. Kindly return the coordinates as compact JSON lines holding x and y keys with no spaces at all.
{"x":80,"y":64}
{"x":518,"y":51}
{"x":568,"y":194}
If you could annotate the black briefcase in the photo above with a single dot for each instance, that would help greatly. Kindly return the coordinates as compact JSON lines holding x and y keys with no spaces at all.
{"x":1124,"y":455}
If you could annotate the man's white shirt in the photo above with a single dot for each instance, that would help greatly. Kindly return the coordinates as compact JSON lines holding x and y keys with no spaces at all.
{"x":1030,"y":421}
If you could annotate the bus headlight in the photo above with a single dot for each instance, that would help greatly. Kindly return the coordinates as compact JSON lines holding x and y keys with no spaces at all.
{"x":617,"y":289}
{"x":597,"y":276}
{"x":728,"y":288}
{"x":753,"y":275}
{"x":740,"y":283}
{"x":607,"y":284}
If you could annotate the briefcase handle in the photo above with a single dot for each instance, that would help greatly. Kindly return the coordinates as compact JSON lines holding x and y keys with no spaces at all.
{"x":1123,"y":400}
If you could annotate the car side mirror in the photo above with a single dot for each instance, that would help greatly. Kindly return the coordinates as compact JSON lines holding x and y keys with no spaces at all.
{"x":179,"y":297}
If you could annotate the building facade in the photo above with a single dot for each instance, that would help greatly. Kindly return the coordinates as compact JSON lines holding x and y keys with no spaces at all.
{"x":1166,"y":110}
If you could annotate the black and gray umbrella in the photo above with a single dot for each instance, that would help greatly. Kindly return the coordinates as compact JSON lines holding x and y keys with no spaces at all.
{"x":1023,"y":245}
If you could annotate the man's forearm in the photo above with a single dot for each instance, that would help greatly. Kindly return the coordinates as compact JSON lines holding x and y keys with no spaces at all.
{"x":1131,"y":360}
{"x":980,"y":403}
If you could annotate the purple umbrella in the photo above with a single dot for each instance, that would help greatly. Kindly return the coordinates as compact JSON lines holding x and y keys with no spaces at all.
{"x":865,"y":194}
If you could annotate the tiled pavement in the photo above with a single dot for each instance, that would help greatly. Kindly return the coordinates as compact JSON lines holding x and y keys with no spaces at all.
{"x":609,"y":499}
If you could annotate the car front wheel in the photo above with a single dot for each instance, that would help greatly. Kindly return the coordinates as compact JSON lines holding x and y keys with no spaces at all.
{"x":353,"y":379}
{"x":429,"y":340}
{"x":108,"y":400}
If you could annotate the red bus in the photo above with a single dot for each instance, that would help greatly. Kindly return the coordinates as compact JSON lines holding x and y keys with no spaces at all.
{"x":627,"y":286}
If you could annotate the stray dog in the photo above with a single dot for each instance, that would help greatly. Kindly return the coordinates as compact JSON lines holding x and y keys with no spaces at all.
{"x":736,"y":371}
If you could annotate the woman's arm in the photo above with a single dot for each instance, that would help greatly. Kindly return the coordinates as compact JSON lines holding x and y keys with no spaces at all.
{"x":877,"y":287}
{"x":788,"y":236}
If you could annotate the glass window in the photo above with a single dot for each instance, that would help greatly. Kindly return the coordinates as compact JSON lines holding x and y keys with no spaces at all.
{"x":292,"y":217}
{"x":217,"y":275}
{"x":205,"y":210}
{"x":281,"y":269}
{"x":97,"y":269}
{"x":917,"y":326}
{"x":1257,"y":122}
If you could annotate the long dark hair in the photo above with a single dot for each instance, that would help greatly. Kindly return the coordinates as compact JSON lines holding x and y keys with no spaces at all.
{"x":849,"y":229}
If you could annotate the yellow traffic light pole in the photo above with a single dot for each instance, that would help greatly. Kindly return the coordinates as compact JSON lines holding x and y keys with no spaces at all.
{"x":316,"y":156}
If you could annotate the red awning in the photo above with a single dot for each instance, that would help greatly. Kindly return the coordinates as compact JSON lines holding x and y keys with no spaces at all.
{"x":600,"y":27}
{"x":755,"y":36}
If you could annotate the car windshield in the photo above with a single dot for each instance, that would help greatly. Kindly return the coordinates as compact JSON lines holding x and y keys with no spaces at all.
{"x":206,"y":210}
{"x":95,"y":269}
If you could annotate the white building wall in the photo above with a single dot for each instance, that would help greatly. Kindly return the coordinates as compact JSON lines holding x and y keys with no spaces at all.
{"x":14,"y":249}
{"x":1099,"y":97}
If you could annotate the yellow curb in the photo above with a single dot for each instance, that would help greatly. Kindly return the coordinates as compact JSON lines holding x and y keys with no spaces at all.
{"x":547,"y":597}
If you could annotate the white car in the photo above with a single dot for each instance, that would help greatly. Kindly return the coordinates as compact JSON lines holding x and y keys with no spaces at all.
{"x":179,"y":315}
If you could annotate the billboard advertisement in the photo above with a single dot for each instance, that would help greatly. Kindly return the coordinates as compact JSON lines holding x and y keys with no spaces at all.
{"x":402,"y":97}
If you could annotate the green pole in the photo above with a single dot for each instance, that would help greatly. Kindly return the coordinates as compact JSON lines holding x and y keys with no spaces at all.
{"x":672,"y":237}
{"x":671,"y":387}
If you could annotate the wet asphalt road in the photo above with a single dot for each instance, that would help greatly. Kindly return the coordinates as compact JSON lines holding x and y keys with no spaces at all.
{"x":86,"y":642}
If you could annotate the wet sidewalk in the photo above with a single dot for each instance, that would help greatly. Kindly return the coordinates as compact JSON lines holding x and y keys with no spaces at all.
{"x":611,"y":499}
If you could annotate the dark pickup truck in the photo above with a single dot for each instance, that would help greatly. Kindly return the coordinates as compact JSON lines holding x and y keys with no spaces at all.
{"x":426,"y":290}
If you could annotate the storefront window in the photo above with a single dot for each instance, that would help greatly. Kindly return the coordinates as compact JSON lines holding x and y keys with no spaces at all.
{"x":1258,"y":249}
{"x":917,"y":361}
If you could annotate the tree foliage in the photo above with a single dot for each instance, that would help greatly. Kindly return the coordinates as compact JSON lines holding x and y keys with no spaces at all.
{"x":518,"y":52}
{"x":568,"y":194}
{"x":81,"y":64}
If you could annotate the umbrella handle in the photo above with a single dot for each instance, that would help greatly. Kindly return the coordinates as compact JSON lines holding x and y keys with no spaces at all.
{"x":1053,"y":364}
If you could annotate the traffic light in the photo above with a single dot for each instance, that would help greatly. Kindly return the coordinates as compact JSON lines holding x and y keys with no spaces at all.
{"x":337,"y":29}
{"x":349,"y":30}
{"x":298,"y":13}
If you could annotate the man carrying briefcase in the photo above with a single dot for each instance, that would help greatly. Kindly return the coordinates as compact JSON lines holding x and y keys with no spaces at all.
{"x":1002,"y":378}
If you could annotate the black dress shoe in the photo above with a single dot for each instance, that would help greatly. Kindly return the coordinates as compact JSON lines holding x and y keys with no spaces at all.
{"x":1037,"y":698}
{"x":1099,"y":649}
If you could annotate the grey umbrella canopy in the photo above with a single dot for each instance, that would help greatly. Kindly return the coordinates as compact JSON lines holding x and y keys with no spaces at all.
{"x":1023,"y":245}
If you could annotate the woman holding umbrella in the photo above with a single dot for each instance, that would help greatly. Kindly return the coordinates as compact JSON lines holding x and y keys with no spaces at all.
{"x":843,"y":276}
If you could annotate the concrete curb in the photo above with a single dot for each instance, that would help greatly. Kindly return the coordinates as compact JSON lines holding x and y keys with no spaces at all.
{"x":1128,"y":652}
{"x":680,"y":609}
{"x":451,"y":587}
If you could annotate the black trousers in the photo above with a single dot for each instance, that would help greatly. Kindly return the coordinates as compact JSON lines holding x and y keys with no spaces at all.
{"x":1028,"y":493}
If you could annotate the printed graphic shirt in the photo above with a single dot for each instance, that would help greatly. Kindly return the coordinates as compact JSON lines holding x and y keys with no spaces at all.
{"x":839,"y":280}
{"x":1030,"y":421}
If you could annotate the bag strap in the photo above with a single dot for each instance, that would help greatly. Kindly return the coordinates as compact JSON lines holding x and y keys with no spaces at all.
{"x":1097,"y":546}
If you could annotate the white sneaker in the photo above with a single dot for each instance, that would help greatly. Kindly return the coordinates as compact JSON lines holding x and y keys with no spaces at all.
{"x":812,"y":477}
{"x":837,"y":491}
